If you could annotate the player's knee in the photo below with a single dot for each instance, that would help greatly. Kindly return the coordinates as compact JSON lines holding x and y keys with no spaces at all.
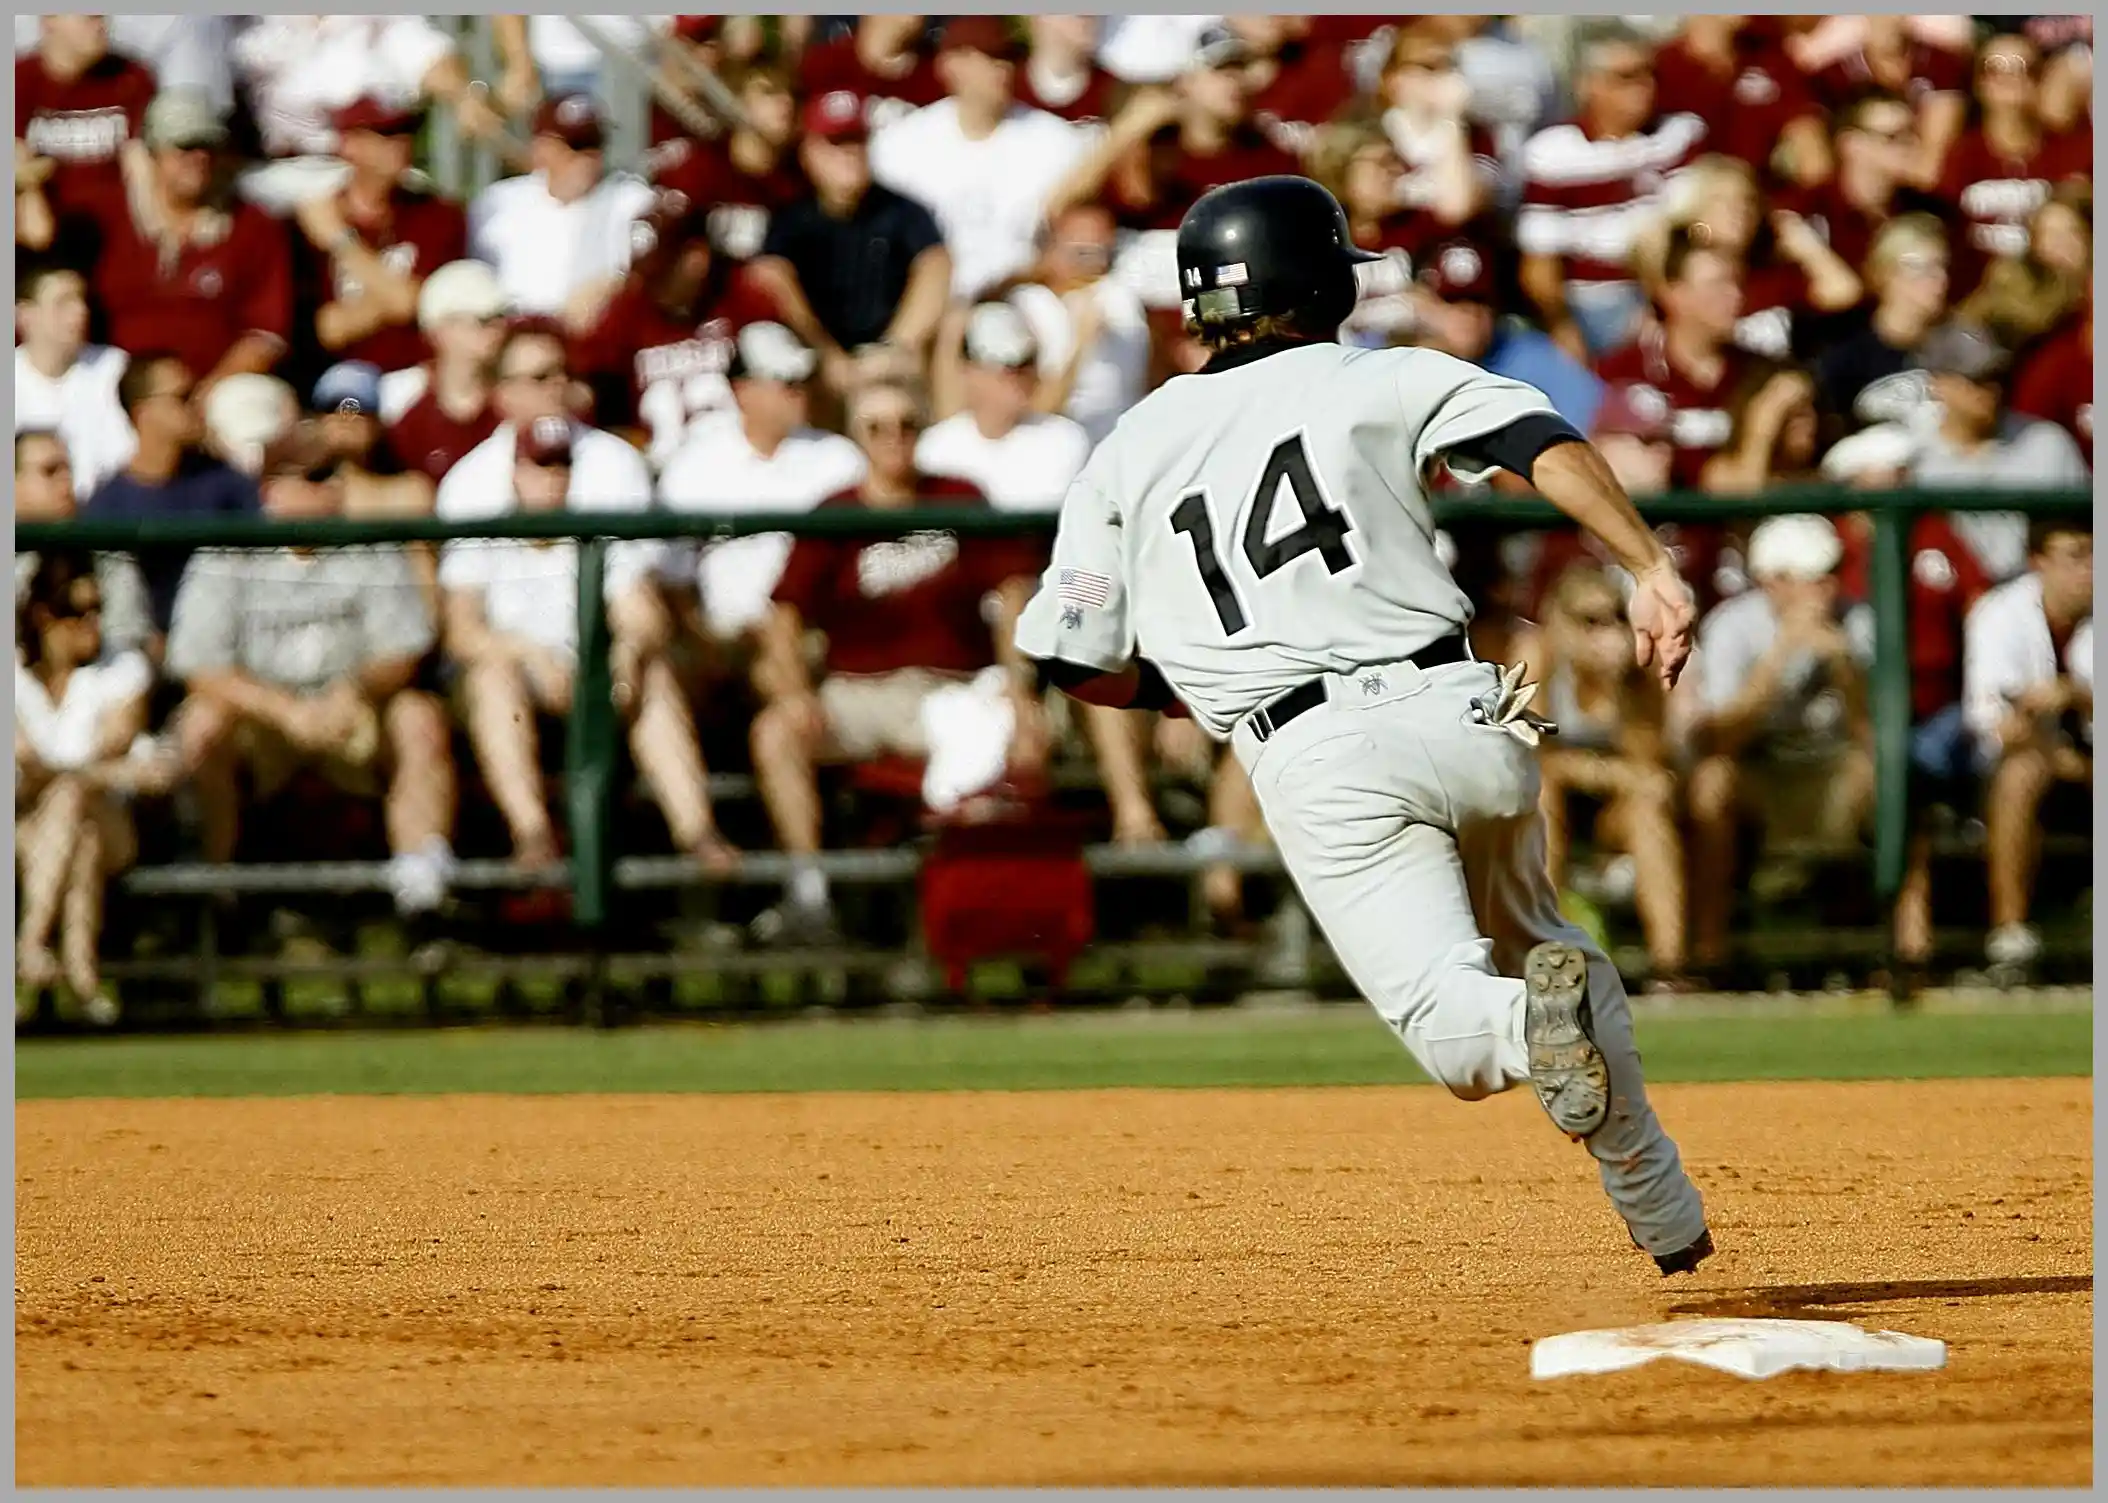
{"x":1466,"y":1067}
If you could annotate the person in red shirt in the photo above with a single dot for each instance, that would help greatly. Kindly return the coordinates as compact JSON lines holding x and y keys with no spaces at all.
{"x":1296,"y":84}
{"x":437,"y":412}
{"x":904,"y":620}
{"x":886,"y":62}
{"x":743,"y":177}
{"x":189,"y":268}
{"x":364,"y":252}
{"x":2004,"y":169}
{"x":2055,"y":379}
{"x":1060,"y":73}
{"x":1689,"y":356}
{"x":78,"y":108}
{"x":1732,"y":73}
{"x":1789,"y":274}
{"x":1167,"y":147}
{"x":1932,"y":82}
{"x":1879,"y":142}
{"x":657,"y":357}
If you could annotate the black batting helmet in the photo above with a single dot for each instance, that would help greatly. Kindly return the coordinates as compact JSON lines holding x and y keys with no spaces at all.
{"x":1268,"y":245}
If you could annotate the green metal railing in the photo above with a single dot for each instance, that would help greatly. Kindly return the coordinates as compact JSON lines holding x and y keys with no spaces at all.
{"x":593,"y":742}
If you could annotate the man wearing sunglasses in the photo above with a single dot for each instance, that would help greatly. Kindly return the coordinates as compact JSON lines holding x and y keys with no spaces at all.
{"x":367,"y":250}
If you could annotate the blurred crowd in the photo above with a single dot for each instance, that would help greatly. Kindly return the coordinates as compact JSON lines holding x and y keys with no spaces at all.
{"x":887,"y":261}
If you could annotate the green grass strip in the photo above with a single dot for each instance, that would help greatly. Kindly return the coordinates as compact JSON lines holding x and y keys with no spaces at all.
{"x":1347,"y":1047}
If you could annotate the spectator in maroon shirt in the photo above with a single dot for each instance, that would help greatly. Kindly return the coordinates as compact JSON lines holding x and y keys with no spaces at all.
{"x":2055,"y":379}
{"x":2003,"y":168}
{"x":886,"y":62}
{"x":656,"y":359}
{"x":746,"y":176}
{"x":1689,"y":356}
{"x":1060,"y":73}
{"x":189,"y":268}
{"x":1931,"y":81}
{"x":365,"y":251}
{"x":1452,"y":166}
{"x":1296,"y":83}
{"x":1732,"y":73}
{"x":1878,"y":145}
{"x":78,"y":108}
{"x":1167,"y":147}
{"x":1790,"y":277}
{"x":903,"y":619}
{"x":436,"y":412}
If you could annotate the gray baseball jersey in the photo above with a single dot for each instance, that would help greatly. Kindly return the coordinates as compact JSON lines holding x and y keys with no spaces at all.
{"x":1247,"y":529}
{"x":1266,"y":523}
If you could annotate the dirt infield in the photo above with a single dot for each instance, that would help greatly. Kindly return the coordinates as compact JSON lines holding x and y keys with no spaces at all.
{"x":1334,"y":1286}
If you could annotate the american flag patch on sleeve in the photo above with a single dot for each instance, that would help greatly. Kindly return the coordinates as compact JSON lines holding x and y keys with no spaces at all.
{"x":1081,"y":587}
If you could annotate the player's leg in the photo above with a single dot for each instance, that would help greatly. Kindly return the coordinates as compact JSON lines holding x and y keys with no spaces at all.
{"x":1387,"y":887}
{"x":1517,"y":908}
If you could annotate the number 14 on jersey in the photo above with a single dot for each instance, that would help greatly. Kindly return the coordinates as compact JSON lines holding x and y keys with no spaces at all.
{"x":1323,"y":530}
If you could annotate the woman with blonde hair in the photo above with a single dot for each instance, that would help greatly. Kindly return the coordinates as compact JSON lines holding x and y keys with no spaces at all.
{"x":1609,"y":764}
{"x":1871,"y":376}
{"x":78,"y":720}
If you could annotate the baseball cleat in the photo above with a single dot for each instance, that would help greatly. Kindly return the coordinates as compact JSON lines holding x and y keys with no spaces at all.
{"x":1688,"y":1260}
{"x":1566,"y":1068}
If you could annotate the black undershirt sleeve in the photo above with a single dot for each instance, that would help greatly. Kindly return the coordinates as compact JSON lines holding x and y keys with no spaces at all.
{"x":1151,"y":693}
{"x":1515,"y":448}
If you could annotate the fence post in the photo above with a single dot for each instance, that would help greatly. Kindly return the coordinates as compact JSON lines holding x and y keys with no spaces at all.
{"x":589,"y":757}
{"x":1891,"y":703}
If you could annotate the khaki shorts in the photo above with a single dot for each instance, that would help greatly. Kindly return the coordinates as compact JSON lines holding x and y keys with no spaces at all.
{"x":871,"y":714}
{"x":1797,"y":798}
{"x":273,"y":761}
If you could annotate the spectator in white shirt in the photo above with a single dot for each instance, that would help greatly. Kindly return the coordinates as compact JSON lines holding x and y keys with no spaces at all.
{"x":2027,"y":698}
{"x":78,"y":717}
{"x":1783,"y":735}
{"x":1092,"y":332}
{"x":1022,"y":460}
{"x":561,"y":237}
{"x":64,"y":384}
{"x":510,"y":619}
{"x":770,"y":460}
{"x":1981,"y":444}
{"x":299,"y":70}
{"x":982,"y":163}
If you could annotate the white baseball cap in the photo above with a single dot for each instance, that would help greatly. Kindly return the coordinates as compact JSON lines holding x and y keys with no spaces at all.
{"x":770,"y":352}
{"x":997,"y":334}
{"x":244,"y":414}
{"x":460,"y":289}
{"x":1801,"y":546}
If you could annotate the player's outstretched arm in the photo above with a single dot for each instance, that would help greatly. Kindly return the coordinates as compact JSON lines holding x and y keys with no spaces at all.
{"x":1575,"y":478}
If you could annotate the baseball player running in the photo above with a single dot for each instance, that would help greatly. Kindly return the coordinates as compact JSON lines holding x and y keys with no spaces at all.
{"x":1254,"y":541}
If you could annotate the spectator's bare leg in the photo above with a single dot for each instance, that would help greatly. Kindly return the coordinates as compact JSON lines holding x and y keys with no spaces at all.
{"x":420,"y":809}
{"x":1716,"y":798}
{"x":206,"y":734}
{"x":501,"y":726}
{"x":1914,"y":904}
{"x":2012,"y":838}
{"x":1849,"y":795}
{"x":44,"y":845}
{"x":1646,"y":815}
{"x":1116,"y":738}
{"x":668,"y":753}
{"x":105,"y":848}
{"x":783,"y":765}
{"x":1234,"y":807}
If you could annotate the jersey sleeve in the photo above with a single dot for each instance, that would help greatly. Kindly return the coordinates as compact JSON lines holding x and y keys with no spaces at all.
{"x":1448,"y":403}
{"x":1081,"y":612}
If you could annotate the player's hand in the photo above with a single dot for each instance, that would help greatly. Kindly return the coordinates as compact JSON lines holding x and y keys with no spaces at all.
{"x":1662,"y":612}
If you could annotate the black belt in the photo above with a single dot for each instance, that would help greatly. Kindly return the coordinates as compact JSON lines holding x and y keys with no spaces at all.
{"x":1276,"y":713}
